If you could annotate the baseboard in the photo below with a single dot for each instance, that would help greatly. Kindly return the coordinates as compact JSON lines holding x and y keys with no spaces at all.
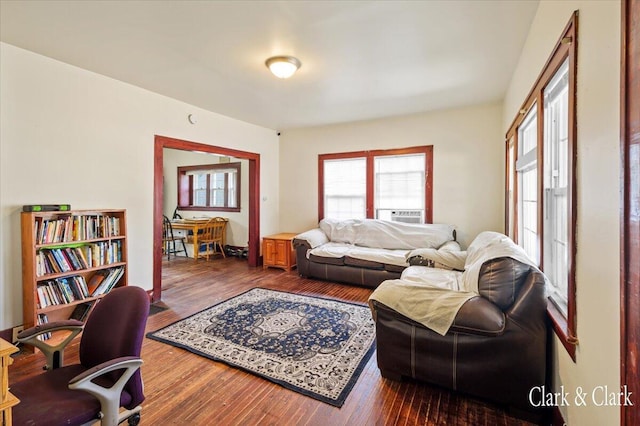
{"x":7,"y":334}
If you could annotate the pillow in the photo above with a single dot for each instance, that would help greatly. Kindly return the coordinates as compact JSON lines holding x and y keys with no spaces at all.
{"x":500,"y":280}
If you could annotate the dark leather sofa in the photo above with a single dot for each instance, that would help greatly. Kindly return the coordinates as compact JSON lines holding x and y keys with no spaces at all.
{"x":368,"y":233}
{"x":343,"y":270}
{"x":496,"y":348}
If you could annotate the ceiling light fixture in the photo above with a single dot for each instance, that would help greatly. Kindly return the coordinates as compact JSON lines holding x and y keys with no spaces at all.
{"x":283,"y":66}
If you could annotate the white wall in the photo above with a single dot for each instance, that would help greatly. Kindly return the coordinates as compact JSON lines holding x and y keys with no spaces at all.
{"x":468,"y":157}
{"x":237,"y":230}
{"x":598,"y":247}
{"x":71,"y":136}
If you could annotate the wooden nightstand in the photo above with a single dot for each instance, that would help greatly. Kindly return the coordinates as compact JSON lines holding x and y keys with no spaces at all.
{"x":277,"y":251}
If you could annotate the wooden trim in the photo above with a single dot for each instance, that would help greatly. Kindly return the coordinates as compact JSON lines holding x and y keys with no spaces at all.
{"x":428,"y":196}
{"x":370,"y":195}
{"x":630,"y":202}
{"x":161,"y":142}
{"x":185,"y":185}
{"x":561,"y":328}
{"x":369,"y":156}
{"x":566,"y":47}
{"x":571,"y":26}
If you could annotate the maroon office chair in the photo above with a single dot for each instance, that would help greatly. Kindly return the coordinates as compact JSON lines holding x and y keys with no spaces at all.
{"x":107,"y":377}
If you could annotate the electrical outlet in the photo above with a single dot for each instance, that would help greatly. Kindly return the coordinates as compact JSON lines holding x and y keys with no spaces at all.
{"x":16,"y":330}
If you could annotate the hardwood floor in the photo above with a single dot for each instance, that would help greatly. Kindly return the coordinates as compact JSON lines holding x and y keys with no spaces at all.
{"x":186,"y":389}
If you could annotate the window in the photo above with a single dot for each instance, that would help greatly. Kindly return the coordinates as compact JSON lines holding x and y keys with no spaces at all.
{"x":385,"y":184}
{"x":212,"y":187}
{"x":527,"y":168}
{"x":556,"y":186}
{"x":345,"y":188}
{"x":541,"y":215}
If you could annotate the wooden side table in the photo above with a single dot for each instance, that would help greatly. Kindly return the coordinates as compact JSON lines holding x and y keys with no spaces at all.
{"x":7,"y":400}
{"x":277,"y":251}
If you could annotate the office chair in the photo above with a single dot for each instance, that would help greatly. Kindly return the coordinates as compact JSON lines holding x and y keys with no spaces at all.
{"x":97,"y":387}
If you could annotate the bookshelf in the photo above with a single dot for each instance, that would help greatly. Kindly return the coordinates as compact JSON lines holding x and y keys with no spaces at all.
{"x":70,"y":259}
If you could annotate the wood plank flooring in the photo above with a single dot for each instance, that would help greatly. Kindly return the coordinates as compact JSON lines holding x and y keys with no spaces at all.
{"x":185,"y":389}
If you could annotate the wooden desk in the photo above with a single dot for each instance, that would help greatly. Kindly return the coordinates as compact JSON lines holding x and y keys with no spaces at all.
{"x":7,"y":400}
{"x":194,"y":225}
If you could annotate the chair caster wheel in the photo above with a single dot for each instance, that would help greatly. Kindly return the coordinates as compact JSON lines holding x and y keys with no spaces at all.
{"x":134,"y":420}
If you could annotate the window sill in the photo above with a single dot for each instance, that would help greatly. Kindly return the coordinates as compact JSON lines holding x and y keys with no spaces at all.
{"x":561,"y":328}
{"x":209,"y":209}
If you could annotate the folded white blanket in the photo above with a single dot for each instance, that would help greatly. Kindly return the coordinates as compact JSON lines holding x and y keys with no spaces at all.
{"x":429,"y":296}
{"x":433,"y":297}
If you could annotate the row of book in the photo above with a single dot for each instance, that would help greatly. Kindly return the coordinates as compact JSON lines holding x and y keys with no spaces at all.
{"x":69,"y":289}
{"x":76,"y":228}
{"x":65,"y":259}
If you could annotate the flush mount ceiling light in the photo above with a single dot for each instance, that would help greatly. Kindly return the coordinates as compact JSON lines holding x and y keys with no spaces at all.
{"x":283,"y":66}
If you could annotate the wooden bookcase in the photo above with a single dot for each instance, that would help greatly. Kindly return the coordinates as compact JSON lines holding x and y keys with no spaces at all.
{"x":70,"y":247}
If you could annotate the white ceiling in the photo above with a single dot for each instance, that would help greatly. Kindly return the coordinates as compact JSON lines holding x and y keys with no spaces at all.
{"x":360,"y":59}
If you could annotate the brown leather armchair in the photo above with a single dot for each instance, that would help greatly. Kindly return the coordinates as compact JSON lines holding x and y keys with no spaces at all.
{"x":496,"y":348}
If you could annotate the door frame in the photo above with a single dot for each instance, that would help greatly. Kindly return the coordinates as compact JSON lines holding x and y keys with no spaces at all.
{"x":161,"y":142}
{"x":630,"y":208}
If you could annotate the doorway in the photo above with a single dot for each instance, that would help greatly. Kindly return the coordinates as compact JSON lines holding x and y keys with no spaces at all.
{"x":162,"y":142}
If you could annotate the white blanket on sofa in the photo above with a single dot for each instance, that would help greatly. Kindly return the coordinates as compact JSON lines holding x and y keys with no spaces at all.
{"x":432,"y":296}
{"x":375,"y":233}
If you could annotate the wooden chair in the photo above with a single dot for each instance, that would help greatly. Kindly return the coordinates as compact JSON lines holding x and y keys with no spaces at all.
{"x":169,"y":240}
{"x":211,"y":238}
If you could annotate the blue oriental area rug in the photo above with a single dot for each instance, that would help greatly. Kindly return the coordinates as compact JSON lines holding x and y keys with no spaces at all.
{"x":314,"y":346}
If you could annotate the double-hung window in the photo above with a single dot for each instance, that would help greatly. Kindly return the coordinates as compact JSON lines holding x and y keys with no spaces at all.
{"x":527,"y":169}
{"x":556,"y":220}
{"x":540,"y":182}
{"x":345,"y":188}
{"x":212,"y":187}
{"x":383,"y":184}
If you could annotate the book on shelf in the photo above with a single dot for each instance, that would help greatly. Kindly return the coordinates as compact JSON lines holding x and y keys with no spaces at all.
{"x":105,"y":280}
{"x":43,"y":319}
{"x":61,"y":260}
{"x":81,"y":311}
{"x":61,"y":291}
{"x":76,"y":228}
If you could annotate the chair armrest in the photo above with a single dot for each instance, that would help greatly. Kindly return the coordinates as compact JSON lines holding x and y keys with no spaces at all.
{"x":105,"y":367}
{"x":480,"y":317}
{"x":49,"y":327}
{"x":53,"y":353}
{"x":314,"y":238}
{"x":109,"y":397}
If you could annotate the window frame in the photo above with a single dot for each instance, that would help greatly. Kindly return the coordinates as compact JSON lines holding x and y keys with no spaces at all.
{"x":369,"y":156}
{"x":565,"y":327}
{"x":185,"y":187}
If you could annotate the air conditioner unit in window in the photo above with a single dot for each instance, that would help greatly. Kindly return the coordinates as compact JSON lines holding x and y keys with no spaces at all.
{"x":406,"y":216}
